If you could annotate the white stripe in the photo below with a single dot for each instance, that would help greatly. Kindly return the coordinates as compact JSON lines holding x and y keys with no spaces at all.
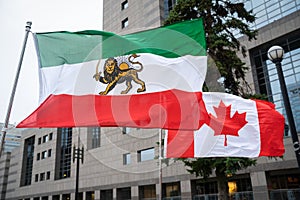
{"x":247,"y":144}
{"x":185,"y":73}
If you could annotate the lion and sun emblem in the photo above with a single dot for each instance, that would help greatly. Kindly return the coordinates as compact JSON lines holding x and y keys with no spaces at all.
{"x":120,"y":71}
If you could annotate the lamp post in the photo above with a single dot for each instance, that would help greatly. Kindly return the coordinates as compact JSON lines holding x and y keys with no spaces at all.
{"x":275,"y":54}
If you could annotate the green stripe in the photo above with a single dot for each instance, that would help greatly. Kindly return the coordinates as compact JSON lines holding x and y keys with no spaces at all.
{"x":57,"y":48}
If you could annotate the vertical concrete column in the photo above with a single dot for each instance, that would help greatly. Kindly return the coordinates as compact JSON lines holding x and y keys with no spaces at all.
{"x":185,"y":188}
{"x":259,"y":185}
{"x":157,"y":189}
{"x":135,"y":192}
{"x":114,"y":193}
{"x":73,"y":196}
{"x":83,"y":195}
{"x":97,"y":195}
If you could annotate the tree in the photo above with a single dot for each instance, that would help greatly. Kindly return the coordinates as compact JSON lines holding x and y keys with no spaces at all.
{"x":222,"y":21}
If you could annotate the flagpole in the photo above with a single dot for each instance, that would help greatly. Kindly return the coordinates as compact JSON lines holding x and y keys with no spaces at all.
{"x":160,"y":164}
{"x":28,"y":27}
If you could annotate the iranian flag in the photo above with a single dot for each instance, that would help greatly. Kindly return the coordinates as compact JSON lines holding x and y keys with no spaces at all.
{"x":149,"y":79}
{"x":235,"y":127}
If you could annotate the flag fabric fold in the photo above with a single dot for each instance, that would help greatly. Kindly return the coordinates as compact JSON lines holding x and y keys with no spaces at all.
{"x":236,"y":127}
{"x":96,"y":78}
{"x":172,"y":109}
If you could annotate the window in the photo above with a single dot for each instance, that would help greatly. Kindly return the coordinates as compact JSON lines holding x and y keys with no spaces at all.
{"x":94,"y":137}
{"x":42,"y":176}
{"x":55,"y":197}
{"x":124,"y":193}
{"x":171,"y":189}
{"x":146,"y":154}
{"x":66,"y":196}
{"x":27,"y":165}
{"x":125,"y":23}
{"x":106,"y":194}
{"x":45,"y":138}
{"x":38,"y":156}
{"x":126,"y":159}
{"x":50,"y":136}
{"x":36,"y":178}
{"x":90,"y":195}
{"x":39,"y":140}
{"x":125,"y":130}
{"x":49,"y":152}
{"x":147,"y":192}
{"x":96,"y":131}
{"x":48,"y":175}
{"x":63,"y":153}
{"x":44,"y":155}
{"x":266,"y":74}
{"x":124,"y":5}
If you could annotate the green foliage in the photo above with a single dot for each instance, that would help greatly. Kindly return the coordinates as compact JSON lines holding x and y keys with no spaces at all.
{"x":221,"y":18}
{"x":225,"y":166}
{"x":256,"y":96}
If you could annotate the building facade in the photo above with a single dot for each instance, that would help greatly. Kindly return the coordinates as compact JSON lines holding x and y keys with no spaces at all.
{"x":121,"y":163}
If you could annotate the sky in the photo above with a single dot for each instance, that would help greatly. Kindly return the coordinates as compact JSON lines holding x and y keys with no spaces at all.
{"x":46,"y":16}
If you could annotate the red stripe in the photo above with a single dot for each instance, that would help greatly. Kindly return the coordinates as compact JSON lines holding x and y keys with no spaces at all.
{"x":271,"y":125}
{"x":180,"y":144}
{"x":172,"y":109}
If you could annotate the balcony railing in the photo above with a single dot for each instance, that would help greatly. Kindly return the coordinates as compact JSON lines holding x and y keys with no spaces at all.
{"x":285,"y":194}
{"x":248,"y":195}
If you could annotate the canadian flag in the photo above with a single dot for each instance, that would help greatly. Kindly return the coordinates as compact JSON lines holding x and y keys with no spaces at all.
{"x":236,"y":127}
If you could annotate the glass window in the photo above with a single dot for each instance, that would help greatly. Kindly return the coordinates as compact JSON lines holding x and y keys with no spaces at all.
{"x":44,"y":155}
{"x":94,"y":137}
{"x":27,"y":164}
{"x":36,"y":178}
{"x":48,"y":175}
{"x":49,"y":152}
{"x":39,"y":140}
{"x":50,"y":136}
{"x":64,"y":153}
{"x":45,"y":138}
{"x":125,"y":130}
{"x":66,"y":196}
{"x":267,"y":74}
{"x":106,"y":194}
{"x":90,"y":195}
{"x":126,"y":159}
{"x":56,"y":197}
{"x":171,"y":189}
{"x":146,"y":154}
{"x":125,"y":23}
{"x":42,"y":176}
{"x":123,"y":193}
{"x":287,"y":6}
{"x":272,"y":7}
{"x":96,"y":134}
{"x":147,"y":192}
{"x":124,"y":5}
{"x":38,"y":156}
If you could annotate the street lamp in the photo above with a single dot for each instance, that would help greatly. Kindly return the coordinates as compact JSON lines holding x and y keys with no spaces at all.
{"x":275,"y":54}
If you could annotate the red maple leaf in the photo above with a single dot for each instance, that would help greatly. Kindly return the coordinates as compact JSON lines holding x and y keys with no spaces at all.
{"x":223,"y":124}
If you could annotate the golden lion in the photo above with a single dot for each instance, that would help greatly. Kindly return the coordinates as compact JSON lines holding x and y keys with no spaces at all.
{"x":115,"y":74}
